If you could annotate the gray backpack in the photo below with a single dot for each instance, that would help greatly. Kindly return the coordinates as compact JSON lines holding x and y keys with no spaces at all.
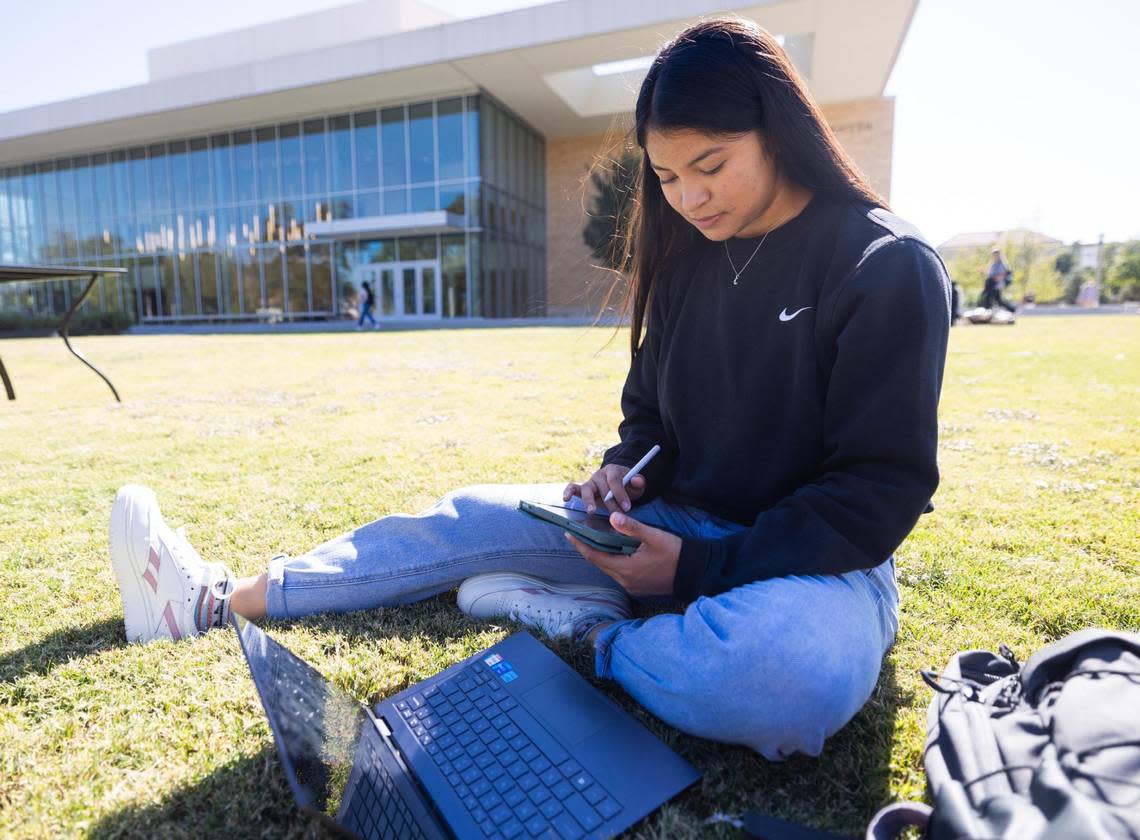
{"x":1044,"y":751}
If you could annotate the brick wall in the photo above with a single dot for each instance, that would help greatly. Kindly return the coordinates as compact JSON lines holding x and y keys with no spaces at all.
{"x":576,"y":286}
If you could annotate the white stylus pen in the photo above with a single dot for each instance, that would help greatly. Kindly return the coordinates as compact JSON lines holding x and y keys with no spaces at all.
{"x":638,"y":467}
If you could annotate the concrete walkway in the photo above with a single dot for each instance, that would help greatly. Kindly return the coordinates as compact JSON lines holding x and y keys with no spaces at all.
{"x":350,"y":326}
{"x":505,"y":323}
{"x":1066,"y":309}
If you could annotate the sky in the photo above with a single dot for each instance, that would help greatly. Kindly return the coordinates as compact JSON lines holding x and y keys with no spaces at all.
{"x":1008,"y":113}
{"x":1019,"y":113}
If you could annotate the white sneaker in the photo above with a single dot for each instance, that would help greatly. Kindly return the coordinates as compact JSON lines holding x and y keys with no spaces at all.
{"x":557,"y":609}
{"x":168,"y":591}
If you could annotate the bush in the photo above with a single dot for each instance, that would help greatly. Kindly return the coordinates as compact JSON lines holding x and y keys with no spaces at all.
{"x":1073,"y":282}
{"x":85,"y":323}
{"x":1123,"y":281}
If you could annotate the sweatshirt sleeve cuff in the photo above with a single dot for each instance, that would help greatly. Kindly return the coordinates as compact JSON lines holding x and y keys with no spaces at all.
{"x":691,"y":566}
{"x":622,"y":454}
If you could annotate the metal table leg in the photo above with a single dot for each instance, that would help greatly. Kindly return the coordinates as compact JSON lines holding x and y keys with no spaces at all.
{"x":63,"y":325}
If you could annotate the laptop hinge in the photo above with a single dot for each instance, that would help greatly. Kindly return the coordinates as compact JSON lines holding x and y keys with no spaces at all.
{"x":381,"y":724}
{"x":431,"y":809}
{"x":393,"y":747}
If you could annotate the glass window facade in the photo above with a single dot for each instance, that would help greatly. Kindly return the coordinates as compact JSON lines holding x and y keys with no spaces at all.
{"x":214,"y":227}
{"x":511,"y":207}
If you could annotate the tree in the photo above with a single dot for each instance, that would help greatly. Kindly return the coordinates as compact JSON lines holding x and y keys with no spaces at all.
{"x":1021,"y":259}
{"x":1064,"y":263}
{"x":614,"y":187}
{"x":1074,"y":281}
{"x":967,"y":268}
{"x":1034,"y":266}
{"x":1123,"y":280}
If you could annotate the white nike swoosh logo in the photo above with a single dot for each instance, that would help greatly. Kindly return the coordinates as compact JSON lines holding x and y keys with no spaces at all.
{"x":784,"y":316}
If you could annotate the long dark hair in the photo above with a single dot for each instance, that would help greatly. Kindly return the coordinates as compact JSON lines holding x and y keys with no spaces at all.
{"x":723,"y":77}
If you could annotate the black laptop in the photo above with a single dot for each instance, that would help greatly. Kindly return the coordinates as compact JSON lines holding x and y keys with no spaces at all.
{"x":511,"y":743}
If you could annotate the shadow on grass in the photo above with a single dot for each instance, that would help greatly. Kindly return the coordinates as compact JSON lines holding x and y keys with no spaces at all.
{"x":839,"y":791}
{"x":60,"y":647}
{"x":435,"y":618}
{"x":246,"y":798}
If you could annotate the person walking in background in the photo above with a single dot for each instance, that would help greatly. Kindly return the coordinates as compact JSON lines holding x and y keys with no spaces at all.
{"x":997,"y":278}
{"x":367,"y":306}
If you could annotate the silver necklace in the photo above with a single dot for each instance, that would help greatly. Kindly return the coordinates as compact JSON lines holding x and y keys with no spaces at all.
{"x":730,"y":262}
{"x":762,"y":238}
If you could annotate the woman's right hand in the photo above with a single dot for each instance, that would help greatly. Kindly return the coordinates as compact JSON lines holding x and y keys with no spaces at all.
{"x":608,"y":478}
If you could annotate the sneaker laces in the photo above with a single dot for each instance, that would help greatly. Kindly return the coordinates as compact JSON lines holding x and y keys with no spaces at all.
{"x":553,"y":622}
{"x":548,"y":623}
{"x":219,"y":573}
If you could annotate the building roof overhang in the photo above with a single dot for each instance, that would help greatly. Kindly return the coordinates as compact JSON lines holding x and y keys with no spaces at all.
{"x":537,"y":61}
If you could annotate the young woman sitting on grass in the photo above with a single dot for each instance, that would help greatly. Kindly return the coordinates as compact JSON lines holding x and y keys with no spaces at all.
{"x":790,"y":365}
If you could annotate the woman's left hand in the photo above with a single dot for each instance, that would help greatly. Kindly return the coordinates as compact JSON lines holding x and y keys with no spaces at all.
{"x":650,"y":569}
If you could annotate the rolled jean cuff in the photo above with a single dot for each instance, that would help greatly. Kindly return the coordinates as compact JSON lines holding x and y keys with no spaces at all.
{"x":603,"y":642}
{"x":275,"y":587}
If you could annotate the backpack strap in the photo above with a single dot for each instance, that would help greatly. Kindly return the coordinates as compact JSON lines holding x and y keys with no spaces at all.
{"x":1055,"y":660}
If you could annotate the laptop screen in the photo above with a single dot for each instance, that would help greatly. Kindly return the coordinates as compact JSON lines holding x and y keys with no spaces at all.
{"x":316,"y":725}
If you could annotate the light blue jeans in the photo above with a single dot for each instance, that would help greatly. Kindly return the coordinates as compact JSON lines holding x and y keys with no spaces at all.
{"x":778,"y":665}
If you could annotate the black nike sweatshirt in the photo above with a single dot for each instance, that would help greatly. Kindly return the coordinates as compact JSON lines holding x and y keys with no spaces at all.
{"x":801,"y":401}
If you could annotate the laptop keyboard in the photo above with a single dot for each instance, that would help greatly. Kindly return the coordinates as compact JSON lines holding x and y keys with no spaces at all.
{"x":377,"y":809}
{"x":514,"y":779}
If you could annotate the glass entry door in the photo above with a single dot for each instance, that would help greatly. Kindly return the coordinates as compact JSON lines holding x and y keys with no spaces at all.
{"x":403,"y":289}
{"x":419,"y":284}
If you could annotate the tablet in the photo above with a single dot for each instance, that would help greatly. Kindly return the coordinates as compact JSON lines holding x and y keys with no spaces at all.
{"x":591,"y":528}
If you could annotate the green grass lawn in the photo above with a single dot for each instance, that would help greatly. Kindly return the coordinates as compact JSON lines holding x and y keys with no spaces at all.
{"x":275,"y":443}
